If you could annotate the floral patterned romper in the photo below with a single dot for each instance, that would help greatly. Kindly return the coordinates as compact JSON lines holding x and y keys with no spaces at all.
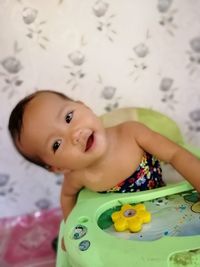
{"x":147,"y":176}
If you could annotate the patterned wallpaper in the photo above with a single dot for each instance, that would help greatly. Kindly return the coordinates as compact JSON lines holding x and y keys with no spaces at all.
{"x":107,"y":53}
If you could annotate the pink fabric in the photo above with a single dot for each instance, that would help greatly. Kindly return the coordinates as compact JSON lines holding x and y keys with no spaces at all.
{"x":27,"y":240}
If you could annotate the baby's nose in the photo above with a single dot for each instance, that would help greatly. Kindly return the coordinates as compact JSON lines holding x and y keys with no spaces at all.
{"x":80,"y":136}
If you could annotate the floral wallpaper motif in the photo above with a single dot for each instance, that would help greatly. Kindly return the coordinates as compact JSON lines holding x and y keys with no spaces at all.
{"x":10,"y":74}
{"x":35,"y":29}
{"x":167,"y":15}
{"x":194,"y":123}
{"x":5,"y":186}
{"x":108,"y":93}
{"x":104,"y":19}
{"x":139,"y":64}
{"x":194,"y":55}
{"x":108,"y":54}
{"x":168,"y":92}
{"x":76,"y":60}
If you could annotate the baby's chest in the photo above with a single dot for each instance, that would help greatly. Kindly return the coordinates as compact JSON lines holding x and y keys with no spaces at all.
{"x":117,"y":171}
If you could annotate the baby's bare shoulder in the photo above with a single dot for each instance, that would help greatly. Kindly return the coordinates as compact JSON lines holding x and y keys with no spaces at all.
{"x":135,"y":130}
{"x":132,"y":126}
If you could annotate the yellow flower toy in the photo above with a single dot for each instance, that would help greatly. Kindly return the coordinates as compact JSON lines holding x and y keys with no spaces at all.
{"x":130,"y":218}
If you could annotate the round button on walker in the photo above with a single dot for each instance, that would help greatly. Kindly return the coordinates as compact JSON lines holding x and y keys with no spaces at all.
{"x":79,"y":231}
{"x":84,"y":245}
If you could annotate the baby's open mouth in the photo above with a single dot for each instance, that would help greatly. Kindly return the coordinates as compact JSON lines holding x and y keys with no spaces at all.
{"x":90,"y":142}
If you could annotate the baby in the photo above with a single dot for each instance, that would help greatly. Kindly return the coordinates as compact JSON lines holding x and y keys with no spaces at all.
{"x":65,"y":136}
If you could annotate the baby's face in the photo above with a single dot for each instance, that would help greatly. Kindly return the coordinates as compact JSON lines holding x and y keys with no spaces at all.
{"x":65,"y":134}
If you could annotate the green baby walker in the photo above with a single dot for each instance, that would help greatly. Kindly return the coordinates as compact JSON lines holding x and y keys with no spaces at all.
{"x":170,"y":239}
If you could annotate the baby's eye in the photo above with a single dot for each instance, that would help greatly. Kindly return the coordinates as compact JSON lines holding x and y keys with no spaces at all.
{"x":56,"y":145}
{"x":69,"y":117}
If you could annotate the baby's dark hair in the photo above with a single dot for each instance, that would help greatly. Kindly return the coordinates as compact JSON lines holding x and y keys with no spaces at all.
{"x":15,"y":123}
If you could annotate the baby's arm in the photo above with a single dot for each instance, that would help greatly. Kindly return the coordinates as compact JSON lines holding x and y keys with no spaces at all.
{"x":164,"y":149}
{"x":68,"y":196}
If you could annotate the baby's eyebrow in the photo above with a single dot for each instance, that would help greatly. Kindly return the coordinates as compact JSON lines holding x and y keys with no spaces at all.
{"x":60,"y":112}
